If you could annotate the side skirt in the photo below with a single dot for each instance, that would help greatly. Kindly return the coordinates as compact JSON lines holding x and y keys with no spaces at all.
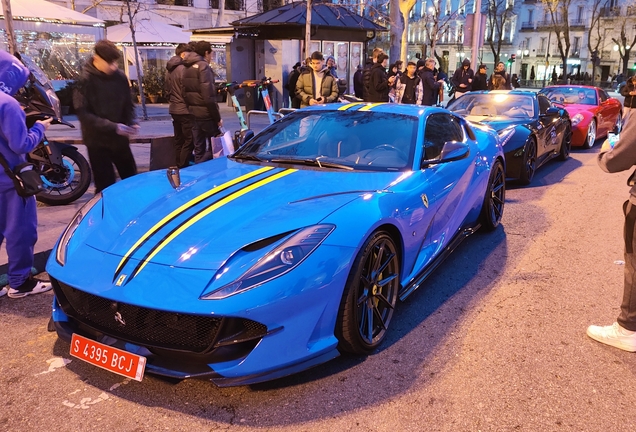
{"x":417,"y":281}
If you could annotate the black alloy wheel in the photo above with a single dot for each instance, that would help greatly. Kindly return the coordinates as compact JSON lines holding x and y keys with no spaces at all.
{"x":495,"y":199}
{"x":566,"y":143}
{"x":529,"y":162}
{"x":370,"y":296}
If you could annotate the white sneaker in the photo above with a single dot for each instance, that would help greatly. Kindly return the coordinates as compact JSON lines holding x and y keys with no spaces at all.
{"x":39,"y":287}
{"x":613,"y":335}
{"x":3,"y":291}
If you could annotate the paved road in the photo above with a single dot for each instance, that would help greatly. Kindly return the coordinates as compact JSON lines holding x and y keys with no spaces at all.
{"x":494,"y":342}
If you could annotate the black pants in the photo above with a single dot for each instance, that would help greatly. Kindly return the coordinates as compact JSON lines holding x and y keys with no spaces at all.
{"x":102,"y":157}
{"x":203,"y":130}
{"x":183,"y":125}
{"x":627,"y":317}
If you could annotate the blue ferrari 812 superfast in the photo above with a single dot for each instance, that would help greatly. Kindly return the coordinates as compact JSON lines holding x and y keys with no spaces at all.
{"x":282,"y":256}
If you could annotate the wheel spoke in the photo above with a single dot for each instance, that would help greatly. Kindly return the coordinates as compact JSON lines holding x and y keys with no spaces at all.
{"x":378,"y":260}
{"x":386,"y":263}
{"x":378,"y":316}
{"x":369,"y":313}
{"x":386,"y":280}
{"x":384,"y":300}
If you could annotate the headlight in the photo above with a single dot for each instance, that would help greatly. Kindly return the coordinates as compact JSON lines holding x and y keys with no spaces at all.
{"x":577,"y":119}
{"x":276,"y":263}
{"x":60,"y":253}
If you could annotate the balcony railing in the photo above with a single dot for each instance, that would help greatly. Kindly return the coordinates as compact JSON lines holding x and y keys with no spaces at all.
{"x":235,"y":5}
{"x":527,"y":25}
{"x":540,"y":52}
{"x":577,"y":23}
{"x":175,"y":2}
{"x":609,"y":12}
{"x":605,"y":55}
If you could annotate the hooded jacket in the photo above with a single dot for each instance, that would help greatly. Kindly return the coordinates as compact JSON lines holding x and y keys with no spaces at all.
{"x":15,"y":139}
{"x":101,"y":102}
{"x":630,"y":101}
{"x":305,"y":87}
{"x":198,"y":88}
{"x":430,"y":87}
{"x":174,"y":87}
{"x":461,"y":76}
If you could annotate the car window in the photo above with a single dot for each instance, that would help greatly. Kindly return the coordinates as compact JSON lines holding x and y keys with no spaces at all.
{"x":440,"y":128}
{"x":373,"y":141}
{"x":544,"y":104}
{"x":571,"y":95}
{"x":494,"y":105}
{"x":603,"y":95}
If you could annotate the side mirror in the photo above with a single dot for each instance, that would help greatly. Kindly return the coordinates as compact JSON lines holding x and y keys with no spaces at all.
{"x":451,"y":151}
{"x":552,"y":111}
{"x":241,"y":137}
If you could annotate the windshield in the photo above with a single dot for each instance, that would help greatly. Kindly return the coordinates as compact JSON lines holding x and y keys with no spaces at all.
{"x":372,"y":141}
{"x":571,"y":95}
{"x":494,"y":105}
{"x":35,"y":69}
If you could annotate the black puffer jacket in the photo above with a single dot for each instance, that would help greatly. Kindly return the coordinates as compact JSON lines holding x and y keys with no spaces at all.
{"x":174,"y":86}
{"x":379,"y":84}
{"x":101,"y":102}
{"x":198,"y":88}
{"x":430,"y":87}
{"x":366,"y":80}
{"x":630,"y":101}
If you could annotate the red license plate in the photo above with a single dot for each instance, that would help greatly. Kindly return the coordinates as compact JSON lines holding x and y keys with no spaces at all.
{"x":106,"y":357}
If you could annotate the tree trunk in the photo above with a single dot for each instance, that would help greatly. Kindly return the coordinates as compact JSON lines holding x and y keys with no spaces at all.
{"x":397,"y":30}
{"x":138,"y":61}
{"x":308,"y":30}
{"x":219,"y":16}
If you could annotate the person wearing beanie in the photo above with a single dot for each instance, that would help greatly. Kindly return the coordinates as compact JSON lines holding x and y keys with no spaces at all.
{"x":480,"y":81}
{"x":463,"y":78}
{"x":380,"y":83}
{"x":18,"y":217}
{"x":182,"y":121}
{"x":105,"y":109}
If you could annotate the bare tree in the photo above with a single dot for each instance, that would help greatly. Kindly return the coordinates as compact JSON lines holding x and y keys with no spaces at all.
{"x":624,"y":45}
{"x":400,"y":10}
{"x":559,"y":17}
{"x":219,"y":16}
{"x":499,"y":16}
{"x":594,"y":37}
{"x":437,"y":23}
{"x":94,"y":3}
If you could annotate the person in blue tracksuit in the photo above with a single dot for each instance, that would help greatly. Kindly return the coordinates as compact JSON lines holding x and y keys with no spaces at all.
{"x":18,"y":218}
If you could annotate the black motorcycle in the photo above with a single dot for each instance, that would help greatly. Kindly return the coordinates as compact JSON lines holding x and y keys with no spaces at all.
{"x":65,"y":172}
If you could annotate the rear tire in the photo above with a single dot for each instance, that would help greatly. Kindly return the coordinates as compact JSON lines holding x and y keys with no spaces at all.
{"x":493,"y":206}
{"x":370,"y":296}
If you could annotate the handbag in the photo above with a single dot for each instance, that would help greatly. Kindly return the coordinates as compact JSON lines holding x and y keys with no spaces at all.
{"x":25,"y":176}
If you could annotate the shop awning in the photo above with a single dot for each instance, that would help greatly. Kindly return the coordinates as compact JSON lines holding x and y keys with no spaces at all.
{"x":147,"y":31}
{"x":47,"y":11}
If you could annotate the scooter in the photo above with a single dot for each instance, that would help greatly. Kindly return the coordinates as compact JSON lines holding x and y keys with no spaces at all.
{"x":244,"y":134}
{"x":65,"y":172}
{"x":263,"y":87}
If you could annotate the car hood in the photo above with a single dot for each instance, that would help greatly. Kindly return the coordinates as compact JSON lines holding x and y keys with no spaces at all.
{"x":146,"y":219}
{"x":498,"y":123}
{"x":575,"y":109}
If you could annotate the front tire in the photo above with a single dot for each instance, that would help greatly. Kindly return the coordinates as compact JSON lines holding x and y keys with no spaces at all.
{"x":493,"y":206}
{"x":529,"y":162}
{"x":566,"y":144}
{"x":370,"y":296}
{"x":67,"y":183}
{"x":591,"y":135}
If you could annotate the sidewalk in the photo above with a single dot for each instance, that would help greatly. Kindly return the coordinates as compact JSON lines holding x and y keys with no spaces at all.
{"x":53,"y":219}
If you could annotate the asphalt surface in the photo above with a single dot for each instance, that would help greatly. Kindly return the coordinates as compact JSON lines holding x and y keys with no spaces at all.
{"x":494,"y":341}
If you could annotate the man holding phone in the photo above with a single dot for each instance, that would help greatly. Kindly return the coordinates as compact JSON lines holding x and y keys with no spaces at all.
{"x":315,"y":84}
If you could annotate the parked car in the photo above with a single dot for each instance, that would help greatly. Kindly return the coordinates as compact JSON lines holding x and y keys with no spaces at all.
{"x":282,"y":256}
{"x":593,"y":112}
{"x":532,"y":129}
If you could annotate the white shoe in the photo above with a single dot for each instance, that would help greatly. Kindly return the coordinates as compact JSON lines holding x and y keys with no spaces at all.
{"x":613,"y":335}
{"x":3,"y":291}
{"x":38,"y":288}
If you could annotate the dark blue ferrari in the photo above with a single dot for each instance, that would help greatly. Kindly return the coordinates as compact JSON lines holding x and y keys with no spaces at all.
{"x":533,"y":129}
{"x":280,"y":257}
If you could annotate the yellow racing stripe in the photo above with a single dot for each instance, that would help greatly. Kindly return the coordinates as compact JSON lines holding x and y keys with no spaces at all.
{"x":347,"y":106}
{"x":370,"y":106}
{"x":156,"y":227}
{"x":206,"y":212}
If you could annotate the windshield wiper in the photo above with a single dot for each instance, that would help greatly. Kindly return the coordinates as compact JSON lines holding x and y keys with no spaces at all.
{"x":312,"y":162}
{"x":250,"y":157}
